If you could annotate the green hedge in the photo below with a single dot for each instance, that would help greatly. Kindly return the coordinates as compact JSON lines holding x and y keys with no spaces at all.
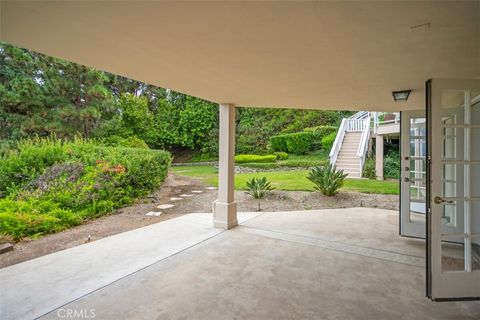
{"x":296,"y":143}
{"x":281,"y":155}
{"x":328,"y":140}
{"x":244,"y":158}
{"x":48,"y":185}
{"x":302,"y":142}
{"x":319,"y":133}
{"x":278,"y":143}
{"x":299,"y":143}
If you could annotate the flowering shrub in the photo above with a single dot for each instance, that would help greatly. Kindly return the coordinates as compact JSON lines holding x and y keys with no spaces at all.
{"x":48,"y":185}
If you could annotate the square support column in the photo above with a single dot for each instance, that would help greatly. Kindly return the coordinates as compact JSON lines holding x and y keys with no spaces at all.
{"x":379,"y":157}
{"x":225,"y":208}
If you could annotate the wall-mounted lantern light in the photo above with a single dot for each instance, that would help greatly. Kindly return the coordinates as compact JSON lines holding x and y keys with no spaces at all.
{"x":401,"y":95}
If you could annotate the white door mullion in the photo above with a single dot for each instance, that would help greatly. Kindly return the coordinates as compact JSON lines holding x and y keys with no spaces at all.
{"x":467,"y":184}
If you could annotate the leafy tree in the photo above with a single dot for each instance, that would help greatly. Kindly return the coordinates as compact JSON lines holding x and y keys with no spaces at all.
{"x":45,"y":96}
{"x":137,"y":119}
{"x":41,"y":95}
{"x":196,"y":119}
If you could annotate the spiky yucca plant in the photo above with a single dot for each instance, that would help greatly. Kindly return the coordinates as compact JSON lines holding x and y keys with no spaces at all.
{"x":327,"y":179}
{"x":258,"y":188}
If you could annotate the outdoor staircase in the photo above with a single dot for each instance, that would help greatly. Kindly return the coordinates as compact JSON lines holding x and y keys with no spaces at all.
{"x":351,"y":143}
{"x":347,"y":159}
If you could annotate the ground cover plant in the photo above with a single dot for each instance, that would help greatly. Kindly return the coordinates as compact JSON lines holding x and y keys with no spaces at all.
{"x":327,"y":179}
{"x":47,"y":185}
{"x":258,"y":188}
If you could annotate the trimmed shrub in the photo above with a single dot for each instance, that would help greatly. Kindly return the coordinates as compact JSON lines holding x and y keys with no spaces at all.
{"x":319,"y":133}
{"x":278,"y":143}
{"x":328,"y":140}
{"x":244,"y":158}
{"x":32,"y":157}
{"x":296,"y":143}
{"x":281,"y":155}
{"x":327,"y":179}
{"x":299,"y":143}
{"x":68,"y":182}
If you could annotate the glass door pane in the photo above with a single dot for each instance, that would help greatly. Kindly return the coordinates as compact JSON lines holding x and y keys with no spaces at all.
{"x":454,"y":243}
{"x":413,"y":195}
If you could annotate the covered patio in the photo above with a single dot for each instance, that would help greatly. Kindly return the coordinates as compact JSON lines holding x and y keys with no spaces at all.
{"x":331,"y":264}
{"x":323,"y":264}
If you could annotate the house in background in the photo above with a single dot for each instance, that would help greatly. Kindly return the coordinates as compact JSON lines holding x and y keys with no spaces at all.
{"x":318,"y":55}
{"x":355,"y":139}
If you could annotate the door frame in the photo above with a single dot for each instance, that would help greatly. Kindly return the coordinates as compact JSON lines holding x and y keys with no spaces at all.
{"x":442,"y":286}
{"x":408,"y":229}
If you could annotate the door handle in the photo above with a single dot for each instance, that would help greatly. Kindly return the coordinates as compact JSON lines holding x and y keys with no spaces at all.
{"x":440,"y":200}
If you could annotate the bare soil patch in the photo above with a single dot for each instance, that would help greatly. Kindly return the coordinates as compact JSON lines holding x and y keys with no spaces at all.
{"x":134,"y":217}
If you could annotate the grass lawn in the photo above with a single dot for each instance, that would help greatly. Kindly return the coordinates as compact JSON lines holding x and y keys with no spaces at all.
{"x":286,"y":180}
{"x":317,"y":155}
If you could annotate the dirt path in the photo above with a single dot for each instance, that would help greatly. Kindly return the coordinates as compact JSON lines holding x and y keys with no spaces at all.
{"x":134,"y":217}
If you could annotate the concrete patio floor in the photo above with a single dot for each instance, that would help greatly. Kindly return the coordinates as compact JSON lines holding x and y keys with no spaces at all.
{"x":320,"y":264}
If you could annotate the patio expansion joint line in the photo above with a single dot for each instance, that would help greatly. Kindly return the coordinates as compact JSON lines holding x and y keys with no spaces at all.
{"x":252,"y":218}
{"x":131,"y":274}
{"x":332,"y":241}
{"x":380,"y":254}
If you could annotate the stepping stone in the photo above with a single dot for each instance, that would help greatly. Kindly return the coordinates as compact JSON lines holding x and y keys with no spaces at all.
{"x":186,"y":195}
{"x":197,"y":191}
{"x":211,"y":188}
{"x":154,"y":213}
{"x":175,"y":199}
{"x":165,"y":206}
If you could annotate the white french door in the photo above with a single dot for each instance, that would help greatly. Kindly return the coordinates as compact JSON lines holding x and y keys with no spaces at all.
{"x":453,"y":219}
{"x":413,"y":173}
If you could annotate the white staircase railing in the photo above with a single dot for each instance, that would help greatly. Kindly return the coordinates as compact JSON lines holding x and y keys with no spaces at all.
{"x":363,"y":145}
{"x":360,"y":115}
{"x":355,"y":125}
{"x":359,"y":122}
{"x":337,"y":144}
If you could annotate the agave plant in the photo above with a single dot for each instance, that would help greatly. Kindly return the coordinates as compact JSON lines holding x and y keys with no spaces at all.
{"x":258,"y":188}
{"x":327,"y":179}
